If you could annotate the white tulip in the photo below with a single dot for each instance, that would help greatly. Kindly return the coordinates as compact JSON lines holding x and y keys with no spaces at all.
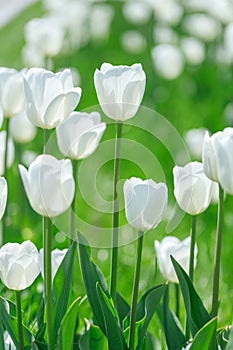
{"x":145,"y":203}
{"x":133,"y":41}
{"x":21,"y":129}
{"x":57,"y":256}
{"x":192,"y":188}
{"x":194,"y":139}
{"x":120,"y":89}
{"x":8,"y":342}
{"x":3,"y":195}
{"x":180,"y":250}
{"x":79,"y":135}
{"x":202,"y":26}
{"x":11,"y":91}
{"x":137,"y":12}
{"x":10,"y":151}
{"x":19,"y":265}
{"x":49,"y":185}
{"x":50,"y":98}
{"x":217,"y":158}
{"x":194,"y":50}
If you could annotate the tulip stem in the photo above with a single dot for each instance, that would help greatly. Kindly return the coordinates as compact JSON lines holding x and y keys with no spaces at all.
{"x":192,"y":247}
{"x":133,"y":310}
{"x":46,"y":141}
{"x":72,"y":211}
{"x":6,"y":177}
{"x":115,"y":217}
{"x":19,"y":320}
{"x":177,"y":296}
{"x":47,"y":229}
{"x":218,"y":248}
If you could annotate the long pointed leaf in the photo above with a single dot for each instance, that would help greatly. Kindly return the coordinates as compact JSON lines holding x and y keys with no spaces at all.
{"x":203,"y":337}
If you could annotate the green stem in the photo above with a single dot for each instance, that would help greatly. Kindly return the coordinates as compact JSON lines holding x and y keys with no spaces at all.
{"x":47,"y":230}
{"x":218,"y":248}
{"x":46,"y":141}
{"x":5,"y":174}
{"x":133,"y":311}
{"x":19,"y":320}
{"x":115,"y":212}
{"x":177,"y":297}
{"x":192,"y":247}
{"x":72,"y":211}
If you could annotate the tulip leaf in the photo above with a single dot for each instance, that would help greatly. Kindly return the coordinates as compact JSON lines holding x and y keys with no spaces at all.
{"x":40,"y":333}
{"x":203,"y":337}
{"x":91,"y":276}
{"x":62,"y":286}
{"x":67,"y":329}
{"x":150,"y":343}
{"x":1,"y":336}
{"x":93,"y":338}
{"x":175,"y":337}
{"x":114,"y":334}
{"x":123,"y":307}
{"x":197,"y":315}
{"x":10,"y":324}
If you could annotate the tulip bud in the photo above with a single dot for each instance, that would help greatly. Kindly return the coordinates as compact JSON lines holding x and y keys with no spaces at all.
{"x":21,"y":129}
{"x":3,"y":195}
{"x":194,"y":139}
{"x":120,"y":90}
{"x":217,"y":158}
{"x":50,"y":98}
{"x":193,"y":189}
{"x":19,"y":265}
{"x":79,"y":135}
{"x":10,"y":151}
{"x":145,"y":203}
{"x":180,"y":250}
{"x":49,"y":185}
{"x":57,"y":256}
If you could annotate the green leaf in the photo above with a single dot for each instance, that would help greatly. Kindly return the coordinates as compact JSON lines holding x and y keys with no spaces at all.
{"x":123,"y":307}
{"x":10,"y":324}
{"x":93,"y":338}
{"x":175,"y":337}
{"x":62,"y":286}
{"x":197,"y":315}
{"x":91,"y":276}
{"x":40,"y":333}
{"x":150,"y":343}
{"x":203,"y":337}
{"x":114,"y":333}
{"x":67,"y":329}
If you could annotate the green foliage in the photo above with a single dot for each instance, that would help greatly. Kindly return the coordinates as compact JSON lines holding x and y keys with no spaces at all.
{"x":204,"y":336}
{"x":92,"y":338}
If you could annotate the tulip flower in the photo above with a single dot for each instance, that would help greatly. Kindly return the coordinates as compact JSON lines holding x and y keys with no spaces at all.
{"x":79,"y":135}
{"x":49,"y":185}
{"x":50,"y":98}
{"x":21,"y":129}
{"x":120,"y":90}
{"x":180,"y":250}
{"x":3,"y":196}
{"x":145,"y":203}
{"x":19,"y":265}
{"x":10,"y":152}
{"x":194,"y":139}
{"x":57,"y":258}
{"x":11,"y":91}
{"x":193,"y":189}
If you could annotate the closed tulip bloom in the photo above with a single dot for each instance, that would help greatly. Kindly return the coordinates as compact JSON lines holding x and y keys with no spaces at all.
{"x":180,"y":251}
{"x":57,"y":258}
{"x":21,"y":129}
{"x":19,"y":265}
{"x":79,"y":135}
{"x":10,"y":151}
{"x":193,"y":189}
{"x":120,"y":89}
{"x":50,"y":97}
{"x":145,"y":203}
{"x":217,"y":158}
{"x":49,"y":185}
{"x":3,"y":195}
{"x":11,"y":91}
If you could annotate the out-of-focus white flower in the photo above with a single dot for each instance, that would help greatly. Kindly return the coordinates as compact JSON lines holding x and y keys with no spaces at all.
{"x":202,"y":26}
{"x":8,"y":342}
{"x":10,"y":151}
{"x":137,"y":12}
{"x":3,"y":196}
{"x":228,"y":114}
{"x":100,"y":21}
{"x":49,"y":185}
{"x":32,"y":57}
{"x":228,"y":39}
{"x":21,"y":129}
{"x":194,"y":50}
{"x":19,"y":265}
{"x":133,"y":41}
{"x":164,"y":35}
{"x":223,"y":55}
{"x":46,"y":34}
{"x":221,"y":10}
{"x":54,"y":4}
{"x":168,"y":61}
{"x":120,"y":89}
{"x":180,"y":250}
{"x":57,"y":256}
{"x":1,"y":117}
{"x":79,"y":135}
{"x":11,"y":92}
{"x":50,"y":97}
{"x":194,"y":139}
{"x":168,"y":11}
{"x":28,"y":157}
{"x":192,"y":188}
{"x":145,"y":203}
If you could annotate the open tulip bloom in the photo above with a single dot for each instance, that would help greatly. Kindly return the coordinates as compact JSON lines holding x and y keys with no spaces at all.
{"x":3,"y":196}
